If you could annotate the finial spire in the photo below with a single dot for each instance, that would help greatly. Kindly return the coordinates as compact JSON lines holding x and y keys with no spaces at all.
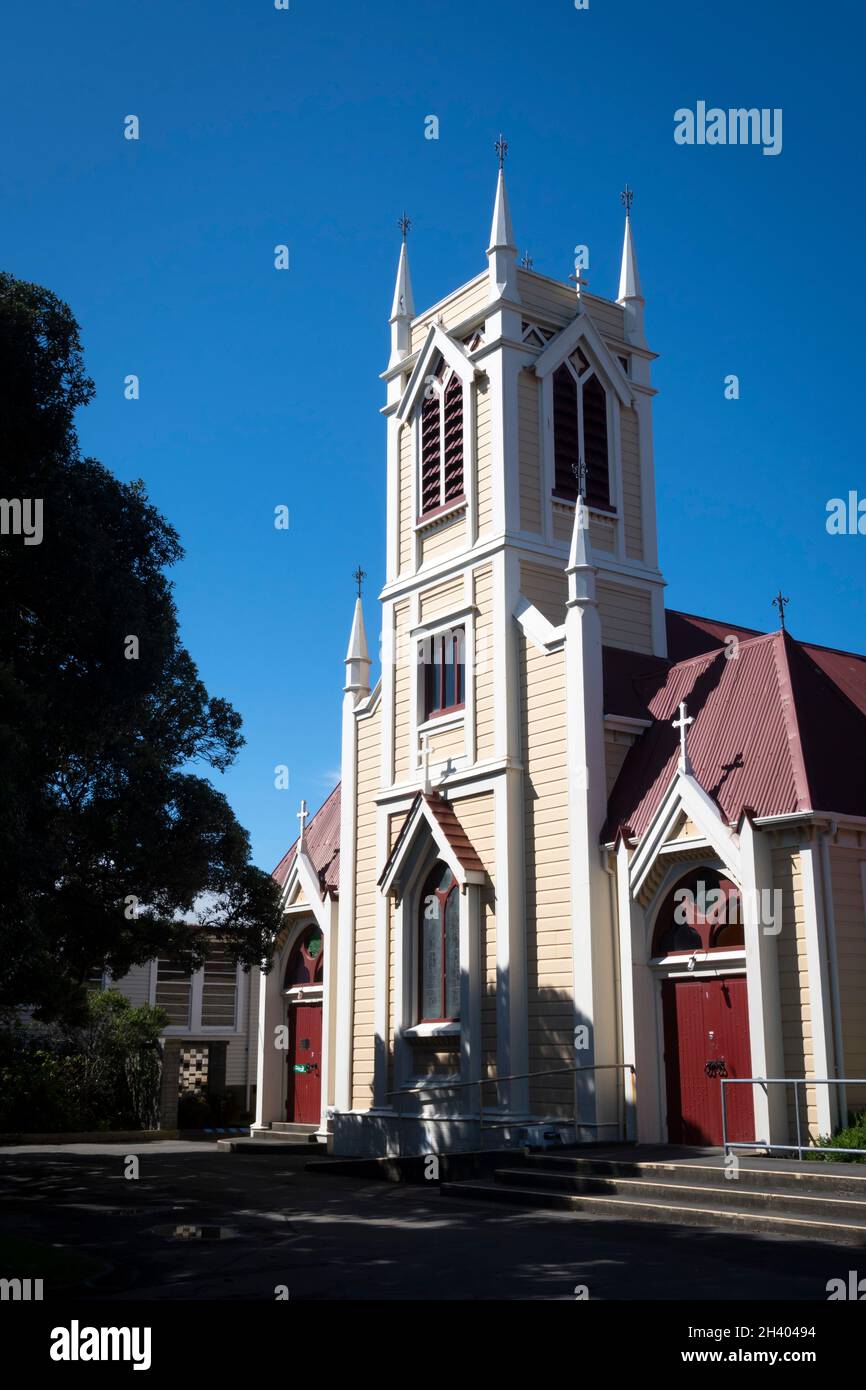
{"x":403,"y":306}
{"x":502,"y":251}
{"x":630,"y":293}
{"x":357,"y":656}
{"x":302,"y":817}
{"x":780,"y":602}
{"x":682,"y":724}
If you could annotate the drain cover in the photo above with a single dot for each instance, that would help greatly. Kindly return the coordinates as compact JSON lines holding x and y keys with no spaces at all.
{"x":196,"y":1232}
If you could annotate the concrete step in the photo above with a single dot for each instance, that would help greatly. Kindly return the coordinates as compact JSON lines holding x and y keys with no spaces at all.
{"x":728,"y":1195}
{"x":692,"y":1209}
{"x":813,"y":1179}
{"x":286,"y":1127}
{"x":266,"y":1144}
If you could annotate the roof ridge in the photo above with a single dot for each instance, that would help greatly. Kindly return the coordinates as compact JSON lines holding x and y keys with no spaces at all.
{"x":791,"y":718}
{"x":716,"y":651}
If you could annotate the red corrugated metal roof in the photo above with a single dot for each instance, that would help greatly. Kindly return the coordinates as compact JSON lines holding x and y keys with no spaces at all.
{"x":454,"y":833}
{"x":322,"y":843}
{"x":773,"y":733}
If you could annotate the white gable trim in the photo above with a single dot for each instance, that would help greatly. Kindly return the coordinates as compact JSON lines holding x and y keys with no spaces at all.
{"x":421,"y":819}
{"x":583,"y":329}
{"x":537,"y":629}
{"x":684,"y":795}
{"x":437,"y":341}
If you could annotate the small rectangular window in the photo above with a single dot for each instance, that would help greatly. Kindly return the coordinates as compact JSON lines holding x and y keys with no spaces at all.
{"x":173,"y":992}
{"x":219,"y":990}
{"x":444,"y":672}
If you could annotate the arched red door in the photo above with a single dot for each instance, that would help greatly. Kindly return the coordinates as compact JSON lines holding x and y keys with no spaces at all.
{"x":706,"y":1017}
{"x":303,"y":981}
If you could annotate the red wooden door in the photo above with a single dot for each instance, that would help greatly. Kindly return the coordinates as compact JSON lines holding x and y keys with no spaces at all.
{"x":304,"y":1089}
{"x":706,"y":1021}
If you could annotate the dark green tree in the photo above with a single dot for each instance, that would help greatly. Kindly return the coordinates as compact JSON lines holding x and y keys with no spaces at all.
{"x":107,"y":837}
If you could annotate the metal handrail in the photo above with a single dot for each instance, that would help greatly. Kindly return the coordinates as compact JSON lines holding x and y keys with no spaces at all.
{"x":799,"y":1147}
{"x":483,"y":1081}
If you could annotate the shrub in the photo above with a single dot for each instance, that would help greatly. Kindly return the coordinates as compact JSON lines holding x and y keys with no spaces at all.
{"x":104,"y":1074}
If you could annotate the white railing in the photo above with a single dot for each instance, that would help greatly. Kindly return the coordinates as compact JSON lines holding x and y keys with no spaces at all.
{"x":796,"y":1082}
{"x":624,"y":1125}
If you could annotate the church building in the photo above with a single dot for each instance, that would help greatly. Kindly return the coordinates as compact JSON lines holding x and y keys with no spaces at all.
{"x":588,"y":856}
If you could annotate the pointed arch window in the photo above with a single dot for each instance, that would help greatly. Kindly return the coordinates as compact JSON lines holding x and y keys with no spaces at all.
{"x":580,"y":433}
{"x":702,"y":912}
{"x":439,"y":948}
{"x":441,"y":482}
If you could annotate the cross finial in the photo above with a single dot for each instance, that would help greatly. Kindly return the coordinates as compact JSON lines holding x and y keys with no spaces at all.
{"x":627,"y":198}
{"x":779,"y":602}
{"x":527,"y":261}
{"x":302,"y":817}
{"x":404,"y":224}
{"x":682,"y":724}
{"x":501,"y":148}
{"x":425,"y":761}
{"x":579,"y":471}
{"x":579,"y":283}
{"x":359,"y":576}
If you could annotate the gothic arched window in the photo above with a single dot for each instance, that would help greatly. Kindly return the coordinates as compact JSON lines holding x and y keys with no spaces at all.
{"x":441,"y":440}
{"x":580,"y":430}
{"x":307,"y":960}
{"x":439,"y":948}
{"x":702,"y":912}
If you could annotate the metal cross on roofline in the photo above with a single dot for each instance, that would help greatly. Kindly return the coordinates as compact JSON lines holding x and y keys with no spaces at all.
{"x":627,"y":198}
{"x":527,"y":261}
{"x":779,"y":602}
{"x":404,"y":223}
{"x":501,"y":148}
{"x":579,"y":471}
{"x":682,"y":724}
{"x":302,"y":817}
{"x":359,"y":576}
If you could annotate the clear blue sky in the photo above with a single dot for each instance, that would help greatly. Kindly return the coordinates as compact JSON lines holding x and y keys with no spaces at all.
{"x":306,"y":127}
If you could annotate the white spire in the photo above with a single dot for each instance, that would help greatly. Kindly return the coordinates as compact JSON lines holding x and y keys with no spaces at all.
{"x":580,"y":569}
{"x":403,"y":306}
{"x":357,"y":656}
{"x":502,"y":251}
{"x":501,"y":230}
{"x":630,"y":294}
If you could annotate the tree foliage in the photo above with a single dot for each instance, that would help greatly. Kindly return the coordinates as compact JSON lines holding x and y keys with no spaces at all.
{"x":107,"y":836}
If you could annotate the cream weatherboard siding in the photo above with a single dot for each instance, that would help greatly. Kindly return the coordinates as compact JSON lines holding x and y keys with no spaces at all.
{"x":443,"y":538}
{"x":441,"y":599}
{"x":847,"y":869}
{"x":405,"y":670}
{"x":631,"y":492}
{"x":463,"y":304}
{"x":407,"y":519}
{"x":546,"y":587}
{"x":484,"y":455}
{"x":616,"y":745}
{"x":626,"y":617}
{"x":528,"y":406}
{"x":363,"y":1023}
{"x":548,"y":899}
{"x":484,"y":699}
{"x":794,"y":975}
{"x":476,"y":815}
